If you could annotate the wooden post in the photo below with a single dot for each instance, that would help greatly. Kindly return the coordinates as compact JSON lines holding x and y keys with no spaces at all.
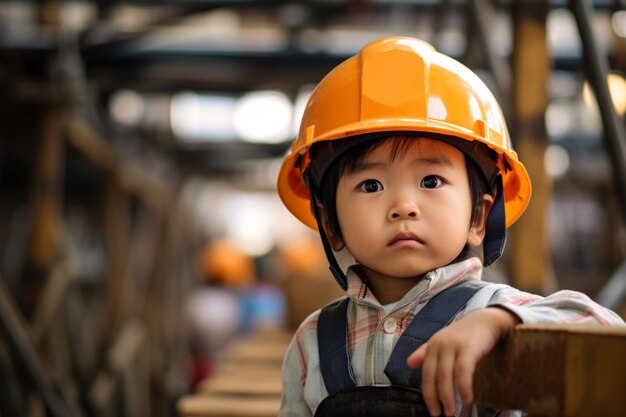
{"x":50,"y":17}
{"x":44,"y":239}
{"x":47,"y":183}
{"x":47,"y":192}
{"x":117,"y":220}
{"x":45,"y":235}
{"x":556,"y":370}
{"x":529,"y":250}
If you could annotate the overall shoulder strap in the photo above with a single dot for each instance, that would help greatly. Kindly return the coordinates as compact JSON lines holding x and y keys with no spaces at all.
{"x":332,"y":343}
{"x":435,"y":315}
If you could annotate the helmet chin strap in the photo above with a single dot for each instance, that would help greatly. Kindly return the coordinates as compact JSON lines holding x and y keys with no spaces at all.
{"x":495,"y":227}
{"x":493,"y":244}
{"x":334,"y":267}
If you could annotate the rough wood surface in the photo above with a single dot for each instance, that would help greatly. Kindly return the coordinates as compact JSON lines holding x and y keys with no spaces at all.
{"x":557,"y":370}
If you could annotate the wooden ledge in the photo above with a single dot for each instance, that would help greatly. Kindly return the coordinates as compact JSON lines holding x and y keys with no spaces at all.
{"x":556,"y":370}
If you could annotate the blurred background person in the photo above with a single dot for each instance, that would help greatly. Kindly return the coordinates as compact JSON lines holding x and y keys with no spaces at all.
{"x":217,"y":307}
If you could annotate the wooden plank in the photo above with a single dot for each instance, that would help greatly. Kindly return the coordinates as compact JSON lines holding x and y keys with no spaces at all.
{"x":273,"y":334}
{"x":242,"y":385}
{"x":255,"y":353}
{"x":227,"y":406}
{"x":556,"y":370}
{"x":249,"y":370}
{"x":265,"y":347}
{"x":132,"y":177}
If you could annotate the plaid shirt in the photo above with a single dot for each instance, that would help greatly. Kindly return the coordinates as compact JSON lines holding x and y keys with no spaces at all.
{"x":372,"y":333}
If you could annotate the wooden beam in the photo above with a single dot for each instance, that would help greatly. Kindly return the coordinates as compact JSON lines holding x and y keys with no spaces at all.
{"x":117,"y":224}
{"x":556,"y":370}
{"x":132,"y":177}
{"x":530,"y":254}
{"x":14,"y":325}
{"x":129,"y":361}
{"x":52,"y":300}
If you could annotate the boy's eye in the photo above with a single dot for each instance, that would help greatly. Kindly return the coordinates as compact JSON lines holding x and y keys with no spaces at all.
{"x":431,"y":181}
{"x":371,"y":186}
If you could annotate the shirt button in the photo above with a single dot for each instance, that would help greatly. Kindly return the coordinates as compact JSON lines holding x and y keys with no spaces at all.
{"x":390,"y":325}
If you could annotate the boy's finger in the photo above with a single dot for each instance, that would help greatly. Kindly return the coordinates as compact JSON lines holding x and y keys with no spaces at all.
{"x":445,"y":382}
{"x":464,"y":377}
{"x":429,"y":386}
{"x":416,"y":358}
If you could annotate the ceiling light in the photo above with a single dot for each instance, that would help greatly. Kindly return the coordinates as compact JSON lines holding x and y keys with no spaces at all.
{"x":264,"y":117}
{"x":198,"y":118}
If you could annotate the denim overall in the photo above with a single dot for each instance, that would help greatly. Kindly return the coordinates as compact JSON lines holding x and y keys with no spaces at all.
{"x":403,"y":397}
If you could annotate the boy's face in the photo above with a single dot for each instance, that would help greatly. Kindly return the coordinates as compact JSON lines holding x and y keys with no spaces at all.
{"x":404,"y":217}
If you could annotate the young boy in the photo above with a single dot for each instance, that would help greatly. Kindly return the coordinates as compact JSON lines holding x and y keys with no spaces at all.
{"x":404,"y":160}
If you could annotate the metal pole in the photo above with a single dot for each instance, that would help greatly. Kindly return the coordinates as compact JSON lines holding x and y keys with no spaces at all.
{"x":597,"y":68}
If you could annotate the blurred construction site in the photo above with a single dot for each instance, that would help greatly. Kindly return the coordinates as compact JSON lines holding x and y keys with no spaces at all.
{"x":141,"y":236}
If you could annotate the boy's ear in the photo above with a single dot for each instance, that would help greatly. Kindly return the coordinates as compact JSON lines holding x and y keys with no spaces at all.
{"x":477,"y":229}
{"x":336,"y":242}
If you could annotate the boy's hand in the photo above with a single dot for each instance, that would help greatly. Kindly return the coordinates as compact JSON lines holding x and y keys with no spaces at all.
{"x":449,"y":358}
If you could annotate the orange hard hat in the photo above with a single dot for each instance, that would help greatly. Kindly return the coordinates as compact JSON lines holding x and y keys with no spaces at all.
{"x":401,"y":84}
{"x":222,"y":262}
{"x":304,"y":257}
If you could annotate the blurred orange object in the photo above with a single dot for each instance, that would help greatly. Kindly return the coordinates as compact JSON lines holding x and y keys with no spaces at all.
{"x":304,"y":258}
{"x":222,"y":262}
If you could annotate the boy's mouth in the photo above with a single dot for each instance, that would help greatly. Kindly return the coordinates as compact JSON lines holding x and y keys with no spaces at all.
{"x":405,"y":236}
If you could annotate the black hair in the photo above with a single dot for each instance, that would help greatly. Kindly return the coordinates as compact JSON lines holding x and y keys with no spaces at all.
{"x":348,"y":162}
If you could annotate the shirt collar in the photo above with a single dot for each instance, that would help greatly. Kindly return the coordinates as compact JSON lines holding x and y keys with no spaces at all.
{"x":433,"y":282}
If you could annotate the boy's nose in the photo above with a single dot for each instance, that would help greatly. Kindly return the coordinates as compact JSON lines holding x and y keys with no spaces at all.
{"x":404,"y":209}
